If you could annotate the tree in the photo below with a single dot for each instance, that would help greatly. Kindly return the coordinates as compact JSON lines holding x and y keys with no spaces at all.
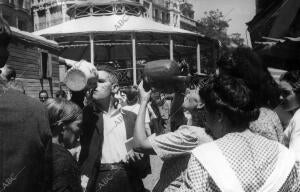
{"x":214,"y":25}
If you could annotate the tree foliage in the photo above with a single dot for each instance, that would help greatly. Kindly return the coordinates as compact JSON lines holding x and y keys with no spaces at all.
{"x":214,"y":25}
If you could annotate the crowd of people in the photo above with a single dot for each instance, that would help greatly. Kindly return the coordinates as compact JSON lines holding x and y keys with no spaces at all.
{"x":237,"y":131}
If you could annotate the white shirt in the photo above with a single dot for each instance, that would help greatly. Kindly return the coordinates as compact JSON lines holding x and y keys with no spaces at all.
{"x":135,"y":109}
{"x":113,"y":149}
{"x":291,"y":136}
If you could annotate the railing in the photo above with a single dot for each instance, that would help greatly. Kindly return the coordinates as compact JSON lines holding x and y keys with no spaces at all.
{"x":125,"y":76}
{"x":106,"y":9}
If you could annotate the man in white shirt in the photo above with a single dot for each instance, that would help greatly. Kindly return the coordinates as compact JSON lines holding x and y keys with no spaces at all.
{"x":108,"y":163}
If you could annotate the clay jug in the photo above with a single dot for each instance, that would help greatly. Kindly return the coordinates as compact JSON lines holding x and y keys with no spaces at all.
{"x":82,"y":76}
{"x":165,"y":76}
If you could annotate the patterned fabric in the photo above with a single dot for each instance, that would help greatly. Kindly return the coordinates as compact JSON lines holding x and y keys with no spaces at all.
{"x":251,"y":157}
{"x":174,"y":149}
{"x":268,"y":125}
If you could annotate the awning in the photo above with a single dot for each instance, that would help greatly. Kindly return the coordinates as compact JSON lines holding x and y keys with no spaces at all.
{"x":111,"y":24}
{"x":35,"y":40}
{"x":285,"y":48}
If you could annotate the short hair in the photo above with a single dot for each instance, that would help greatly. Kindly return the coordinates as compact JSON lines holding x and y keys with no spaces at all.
{"x":60,"y":112}
{"x":244,"y":63}
{"x":293,"y":78}
{"x":43,"y":91}
{"x":132,"y":94}
{"x":61,"y":93}
{"x":5,"y":32}
{"x":113,"y":75}
{"x":231,"y":96}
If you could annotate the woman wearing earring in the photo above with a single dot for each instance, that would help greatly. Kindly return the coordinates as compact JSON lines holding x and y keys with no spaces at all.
{"x":65,"y":118}
{"x":238,"y":160}
{"x":172,"y":148}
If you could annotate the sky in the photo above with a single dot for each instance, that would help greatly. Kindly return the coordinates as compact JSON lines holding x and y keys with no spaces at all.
{"x":239,"y":11}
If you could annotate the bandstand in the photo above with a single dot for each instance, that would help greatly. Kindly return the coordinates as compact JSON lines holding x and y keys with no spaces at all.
{"x":120,"y":30}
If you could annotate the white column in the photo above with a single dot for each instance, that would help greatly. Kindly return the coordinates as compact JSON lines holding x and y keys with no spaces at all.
{"x":133,"y":41}
{"x":198,"y":58}
{"x":171,"y":48}
{"x":48,"y":17}
{"x":92,"y":49}
{"x":36,"y":23}
{"x":64,"y":11}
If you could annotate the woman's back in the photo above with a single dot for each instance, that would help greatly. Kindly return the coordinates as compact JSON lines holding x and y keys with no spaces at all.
{"x":251,"y":157}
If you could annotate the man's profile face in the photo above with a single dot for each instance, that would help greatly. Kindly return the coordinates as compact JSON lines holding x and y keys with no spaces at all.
{"x":104,"y":86}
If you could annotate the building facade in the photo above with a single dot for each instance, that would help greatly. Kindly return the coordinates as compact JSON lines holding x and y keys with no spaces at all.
{"x":177,"y":13}
{"x":17,"y":13}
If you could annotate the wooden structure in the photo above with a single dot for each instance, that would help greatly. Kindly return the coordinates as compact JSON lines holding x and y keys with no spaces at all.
{"x":35,"y":61}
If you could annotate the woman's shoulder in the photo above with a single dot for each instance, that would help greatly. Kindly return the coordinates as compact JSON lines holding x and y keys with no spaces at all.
{"x":194,"y":132}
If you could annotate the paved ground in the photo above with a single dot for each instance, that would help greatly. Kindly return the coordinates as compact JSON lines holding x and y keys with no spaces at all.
{"x":151,"y":179}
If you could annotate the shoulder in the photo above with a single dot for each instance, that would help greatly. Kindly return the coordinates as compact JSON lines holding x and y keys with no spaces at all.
{"x":266,"y":113}
{"x":193,"y":132}
{"x":23,"y":101}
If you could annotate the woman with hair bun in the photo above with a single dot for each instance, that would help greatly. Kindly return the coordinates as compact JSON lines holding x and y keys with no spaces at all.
{"x":238,"y":160}
{"x":245,"y":64}
{"x":65,"y":118}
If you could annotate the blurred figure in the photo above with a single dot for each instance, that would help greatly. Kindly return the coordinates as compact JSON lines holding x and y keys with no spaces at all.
{"x":24,"y":134}
{"x":246,"y":64}
{"x":290,"y":85}
{"x":16,"y":85}
{"x":173,"y":148}
{"x":43,"y":96}
{"x":8,"y":73}
{"x":61,"y":94}
{"x":65,"y":120}
{"x":238,"y":160}
{"x":132,"y":104}
{"x":290,"y":82}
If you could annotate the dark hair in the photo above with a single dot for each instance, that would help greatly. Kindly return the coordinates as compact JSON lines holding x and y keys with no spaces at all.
{"x":293,"y":78}
{"x":61,"y":93}
{"x":43,"y":91}
{"x":113,"y":75}
{"x":61,"y":111}
{"x":5,"y":33}
{"x":244,"y":63}
{"x":132,"y":95}
{"x":232,"y":97}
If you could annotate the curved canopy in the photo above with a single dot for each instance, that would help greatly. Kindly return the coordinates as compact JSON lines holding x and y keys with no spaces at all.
{"x":111,"y":24}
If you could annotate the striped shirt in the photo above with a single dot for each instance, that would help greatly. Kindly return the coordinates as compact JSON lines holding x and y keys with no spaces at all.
{"x":174,"y":149}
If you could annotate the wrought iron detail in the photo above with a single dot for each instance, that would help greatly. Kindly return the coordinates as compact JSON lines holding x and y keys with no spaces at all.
{"x":113,"y":8}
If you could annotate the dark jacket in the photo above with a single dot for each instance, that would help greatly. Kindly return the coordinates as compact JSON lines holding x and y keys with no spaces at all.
{"x":24,"y":138}
{"x":92,"y":141}
{"x":66,"y":173}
